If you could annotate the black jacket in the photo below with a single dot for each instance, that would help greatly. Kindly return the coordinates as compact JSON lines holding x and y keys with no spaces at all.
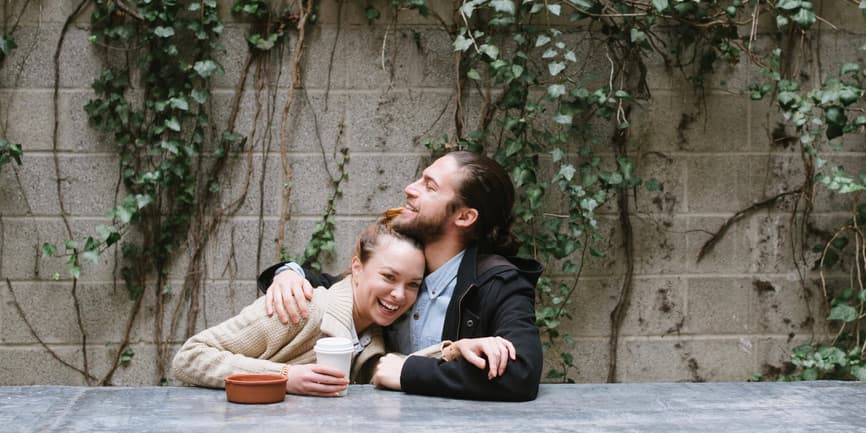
{"x":494,"y":296}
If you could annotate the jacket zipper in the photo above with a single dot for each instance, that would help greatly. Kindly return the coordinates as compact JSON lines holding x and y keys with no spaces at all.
{"x":460,"y":310}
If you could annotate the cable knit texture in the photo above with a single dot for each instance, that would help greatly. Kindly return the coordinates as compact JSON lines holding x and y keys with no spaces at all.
{"x":252,"y":342}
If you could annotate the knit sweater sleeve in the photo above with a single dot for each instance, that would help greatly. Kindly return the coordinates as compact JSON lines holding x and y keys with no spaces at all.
{"x":245,"y":343}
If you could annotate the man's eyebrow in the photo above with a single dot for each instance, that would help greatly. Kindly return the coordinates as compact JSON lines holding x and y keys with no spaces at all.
{"x":427,"y":178}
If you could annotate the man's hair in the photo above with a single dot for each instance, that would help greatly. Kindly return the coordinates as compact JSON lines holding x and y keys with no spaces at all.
{"x":485,"y":186}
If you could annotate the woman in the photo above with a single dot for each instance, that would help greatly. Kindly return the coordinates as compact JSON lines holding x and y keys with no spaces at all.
{"x":386,"y":272}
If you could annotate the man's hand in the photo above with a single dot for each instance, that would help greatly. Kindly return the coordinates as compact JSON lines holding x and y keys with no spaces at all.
{"x":314,"y":379}
{"x":497,"y":350}
{"x":388,"y":370}
{"x":288,"y":295}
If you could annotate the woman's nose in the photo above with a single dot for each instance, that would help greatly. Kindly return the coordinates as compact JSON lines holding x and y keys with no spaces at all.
{"x":399,"y":293}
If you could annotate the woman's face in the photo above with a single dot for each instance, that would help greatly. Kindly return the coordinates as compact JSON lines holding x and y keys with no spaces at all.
{"x":387,"y":285}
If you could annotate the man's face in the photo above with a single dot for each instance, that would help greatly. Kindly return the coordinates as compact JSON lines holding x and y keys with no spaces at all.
{"x":425,"y":214}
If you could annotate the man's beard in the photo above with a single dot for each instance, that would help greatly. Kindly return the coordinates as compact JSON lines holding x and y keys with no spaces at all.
{"x":426,"y":230}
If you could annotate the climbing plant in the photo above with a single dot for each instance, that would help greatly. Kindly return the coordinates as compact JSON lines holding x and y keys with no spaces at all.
{"x":559,"y":83}
{"x":563,"y":128}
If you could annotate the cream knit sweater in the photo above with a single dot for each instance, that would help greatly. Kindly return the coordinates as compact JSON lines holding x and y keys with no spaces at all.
{"x":252,"y":342}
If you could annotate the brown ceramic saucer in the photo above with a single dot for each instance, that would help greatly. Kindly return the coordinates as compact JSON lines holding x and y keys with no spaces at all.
{"x":255,"y":388}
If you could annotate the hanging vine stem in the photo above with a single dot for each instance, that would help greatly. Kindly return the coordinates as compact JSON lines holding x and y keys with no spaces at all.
{"x":58,"y":179}
{"x":306,"y":8}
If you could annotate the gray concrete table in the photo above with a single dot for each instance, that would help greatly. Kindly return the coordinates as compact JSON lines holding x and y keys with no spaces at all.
{"x":825,"y":407}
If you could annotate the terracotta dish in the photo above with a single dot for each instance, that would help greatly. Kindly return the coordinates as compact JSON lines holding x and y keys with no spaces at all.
{"x":256,"y":388}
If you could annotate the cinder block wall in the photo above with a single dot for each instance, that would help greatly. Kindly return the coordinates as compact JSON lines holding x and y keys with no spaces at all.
{"x":721,"y":319}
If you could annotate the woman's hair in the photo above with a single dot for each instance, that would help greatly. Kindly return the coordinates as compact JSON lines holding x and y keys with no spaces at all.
{"x":486,"y":187}
{"x":369,"y":238}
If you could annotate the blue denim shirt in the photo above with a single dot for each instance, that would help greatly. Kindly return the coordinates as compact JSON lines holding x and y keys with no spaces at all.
{"x":423,"y":327}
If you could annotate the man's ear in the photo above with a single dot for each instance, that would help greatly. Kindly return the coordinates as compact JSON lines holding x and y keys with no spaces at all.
{"x":466,"y":217}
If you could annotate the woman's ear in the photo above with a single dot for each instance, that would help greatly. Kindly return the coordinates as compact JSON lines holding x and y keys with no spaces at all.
{"x":356,"y":268}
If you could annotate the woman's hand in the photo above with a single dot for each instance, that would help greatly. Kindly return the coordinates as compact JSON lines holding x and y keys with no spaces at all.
{"x":288,"y":296}
{"x":497,"y":350}
{"x":316,"y":380}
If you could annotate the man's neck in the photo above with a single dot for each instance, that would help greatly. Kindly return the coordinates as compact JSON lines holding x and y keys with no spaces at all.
{"x":438,"y":252}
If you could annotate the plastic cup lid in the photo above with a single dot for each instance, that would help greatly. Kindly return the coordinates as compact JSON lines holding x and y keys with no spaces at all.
{"x":334,"y":345}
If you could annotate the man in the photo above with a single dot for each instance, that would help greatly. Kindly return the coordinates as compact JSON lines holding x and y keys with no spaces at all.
{"x":461,"y":209}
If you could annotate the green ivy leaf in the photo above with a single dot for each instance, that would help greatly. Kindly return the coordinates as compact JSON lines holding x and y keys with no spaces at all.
{"x":173,"y":124}
{"x":462,"y":43}
{"x":48,"y":249}
{"x":505,"y":6}
{"x":473,"y":74}
{"x":555,"y":68}
{"x":555,"y":9}
{"x":179,"y":103}
{"x":563,"y":119}
{"x":491,"y":51}
{"x":660,"y":5}
{"x":92,"y":255}
{"x":371,"y":13}
{"x":567,"y":172}
{"x":206,"y":68}
{"x":541,"y":40}
{"x":75,"y":271}
{"x":788,"y":5}
{"x":805,"y":18}
{"x":7,"y":44}
{"x":164,"y":32}
{"x":199,"y":95}
{"x":843,"y":312}
{"x":555,"y":90}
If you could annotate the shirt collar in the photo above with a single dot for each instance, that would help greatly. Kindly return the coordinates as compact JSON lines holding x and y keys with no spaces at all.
{"x":437,"y":280}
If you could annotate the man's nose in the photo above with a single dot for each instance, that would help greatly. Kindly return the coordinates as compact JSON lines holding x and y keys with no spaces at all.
{"x":411,"y":190}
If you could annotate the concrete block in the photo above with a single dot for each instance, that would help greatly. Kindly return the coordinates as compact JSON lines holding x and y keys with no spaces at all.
{"x":773,"y":354}
{"x":670,"y":173}
{"x":429,"y":62}
{"x":397,"y":121}
{"x":236,"y":245}
{"x":846,"y":16}
{"x":590,"y":357}
{"x":685,"y":360}
{"x":657,"y":307}
{"x":718,"y":306}
{"x":141,"y":370}
{"x":80,"y":61}
{"x":772,"y":175}
{"x":29,"y":13}
{"x":22,"y":250}
{"x":716,"y":183}
{"x":660,"y":246}
{"x":783,"y":307}
{"x":353,"y":13}
{"x":74,"y":132}
{"x":49,"y":307}
{"x":613,"y":263}
{"x":33,"y":365}
{"x":730,"y":254}
{"x":838,"y":48}
{"x":770,"y":245}
{"x":591,"y":304}
{"x":679,"y":123}
{"x":26,"y":119}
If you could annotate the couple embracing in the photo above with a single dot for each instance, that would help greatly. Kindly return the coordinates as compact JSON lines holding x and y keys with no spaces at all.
{"x":437,"y":280}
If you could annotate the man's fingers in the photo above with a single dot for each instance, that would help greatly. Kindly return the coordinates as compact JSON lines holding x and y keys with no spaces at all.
{"x":278,"y":306}
{"x":299,"y":306}
{"x":269,"y":301}
{"x":308,"y":290}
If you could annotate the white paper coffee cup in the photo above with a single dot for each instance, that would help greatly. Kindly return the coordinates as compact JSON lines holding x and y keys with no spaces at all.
{"x":335,"y":352}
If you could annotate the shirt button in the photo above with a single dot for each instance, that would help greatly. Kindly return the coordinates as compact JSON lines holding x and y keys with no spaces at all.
{"x":470,"y":323}
{"x":433,"y":292}
{"x":365,"y":340}
{"x":416,"y":316}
